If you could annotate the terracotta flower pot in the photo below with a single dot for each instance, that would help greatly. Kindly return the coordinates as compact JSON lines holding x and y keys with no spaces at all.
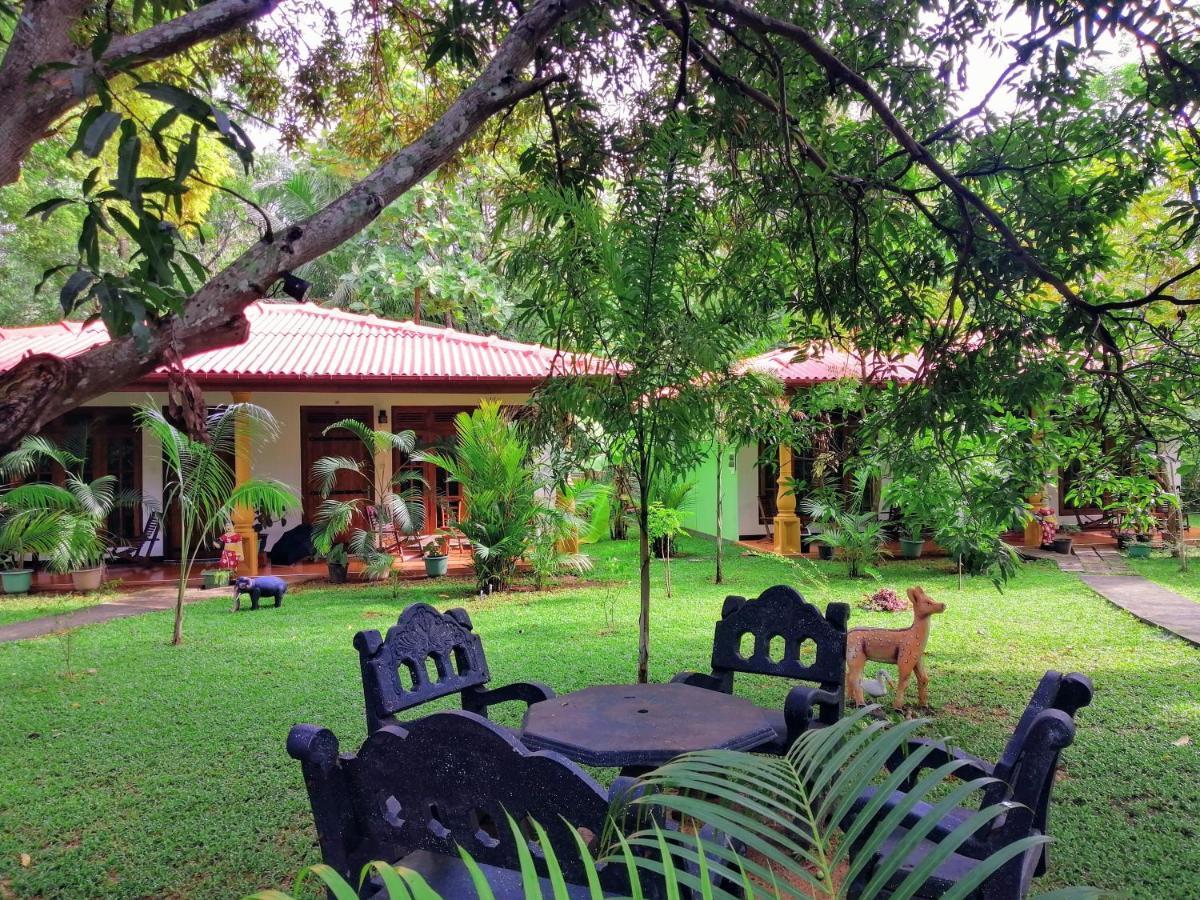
{"x":85,"y":580}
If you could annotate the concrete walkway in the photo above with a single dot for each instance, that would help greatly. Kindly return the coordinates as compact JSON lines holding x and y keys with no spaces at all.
{"x":1150,"y":602}
{"x":1107,"y":573}
{"x":132,"y":604}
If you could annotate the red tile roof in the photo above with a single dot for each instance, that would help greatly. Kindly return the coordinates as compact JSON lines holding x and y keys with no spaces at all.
{"x":299,"y":344}
{"x":824,"y":362}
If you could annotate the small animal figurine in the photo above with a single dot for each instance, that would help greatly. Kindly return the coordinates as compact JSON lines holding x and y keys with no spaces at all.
{"x":262,"y":586}
{"x":902,"y":647}
{"x":879,"y":685}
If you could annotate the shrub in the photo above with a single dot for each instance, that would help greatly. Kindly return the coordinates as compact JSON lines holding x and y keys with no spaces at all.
{"x":507,"y":517}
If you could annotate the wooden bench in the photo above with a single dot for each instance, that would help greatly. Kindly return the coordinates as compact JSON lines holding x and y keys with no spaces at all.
{"x":415,"y":793}
{"x":1024,"y":776}
{"x":769,"y":635}
{"x":427,"y":655}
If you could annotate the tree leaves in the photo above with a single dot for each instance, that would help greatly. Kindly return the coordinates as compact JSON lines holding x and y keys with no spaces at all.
{"x":95,"y":134}
{"x":208,"y":116}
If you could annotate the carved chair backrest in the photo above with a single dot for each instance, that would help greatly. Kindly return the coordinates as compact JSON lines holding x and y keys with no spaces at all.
{"x":446,"y":781}
{"x":1032,"y":779}
{"x":1065,"y":693}
{"x":424,"y":656}
{"x":780,"y":633}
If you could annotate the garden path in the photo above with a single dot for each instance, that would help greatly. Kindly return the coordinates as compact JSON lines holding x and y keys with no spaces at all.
{"x":1105,"y":571}
{"x":133,"y":604}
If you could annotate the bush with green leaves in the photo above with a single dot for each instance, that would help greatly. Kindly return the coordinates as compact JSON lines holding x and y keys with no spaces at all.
{"x":769,"y":826}
{"x":919,"y":502}
{"x":856,"y":535}
{"x":508,"y":513}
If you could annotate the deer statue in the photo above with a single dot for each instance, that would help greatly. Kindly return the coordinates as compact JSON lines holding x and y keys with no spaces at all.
{"x":902,"y":647}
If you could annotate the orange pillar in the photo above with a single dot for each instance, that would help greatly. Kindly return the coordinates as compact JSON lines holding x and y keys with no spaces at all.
{"x":787,"y":523}
{"x":243,"y":516}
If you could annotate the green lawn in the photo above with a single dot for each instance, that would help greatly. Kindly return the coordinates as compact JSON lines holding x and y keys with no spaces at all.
{"x":19,"y":607}
{"x":1165,"y":571}
{"x":163,"y":771}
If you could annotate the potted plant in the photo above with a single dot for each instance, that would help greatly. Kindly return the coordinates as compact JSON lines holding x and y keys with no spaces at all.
{"x":81,"y":508}
{"x":214,"y":578}
{"x":374,"y":526}
{"x":337,"y":561}
{"x":918,"y":505}
{"x":25,"y":530}
{"x":1065,"y":538}
{"x":1124,"y":539}
{"x":911,"y":540}
{"x":437,"y":561}
{"x":86,"y":559}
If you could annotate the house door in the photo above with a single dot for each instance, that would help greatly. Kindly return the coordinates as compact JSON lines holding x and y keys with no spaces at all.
{"x":314,"y":444}
{"x":434,"y":428}
{"x":111,"y":444}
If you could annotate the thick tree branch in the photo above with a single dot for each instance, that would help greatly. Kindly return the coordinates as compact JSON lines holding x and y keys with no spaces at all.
{"x":33,"y":98}
{"x":201,"y":24}
{"x":39,"y":389}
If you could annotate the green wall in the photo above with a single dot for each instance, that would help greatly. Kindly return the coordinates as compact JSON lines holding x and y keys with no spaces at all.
{"x":702,"y":515}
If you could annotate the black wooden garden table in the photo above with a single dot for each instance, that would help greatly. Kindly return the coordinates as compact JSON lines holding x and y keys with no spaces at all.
{"x":640,"y":726}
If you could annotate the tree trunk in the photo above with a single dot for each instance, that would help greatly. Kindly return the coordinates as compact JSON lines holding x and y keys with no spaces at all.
{"x":41,"y":388}
{"x":643,"y":671}
{"x":720,"y":576}
{"x":643,"y":550}
{"x":184,"y":570}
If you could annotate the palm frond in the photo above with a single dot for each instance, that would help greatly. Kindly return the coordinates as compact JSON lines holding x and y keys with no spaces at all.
{"x":325,"y":472}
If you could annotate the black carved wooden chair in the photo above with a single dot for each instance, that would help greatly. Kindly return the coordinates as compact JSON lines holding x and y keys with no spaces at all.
{"x":414,"y":793}
{"x":1024,"y":776}
{"x":779,"y":633}
{"x":427,"y":655}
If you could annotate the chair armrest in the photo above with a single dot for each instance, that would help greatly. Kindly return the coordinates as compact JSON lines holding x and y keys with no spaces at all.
{"x":973,"y":766}
{"x":708,"y":682}
{"x":477,"y":700}
{"x":798,"y":708}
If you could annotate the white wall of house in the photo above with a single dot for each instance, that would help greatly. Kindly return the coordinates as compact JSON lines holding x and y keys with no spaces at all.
{"x":280,"y":457}
{"x":747,"y":482}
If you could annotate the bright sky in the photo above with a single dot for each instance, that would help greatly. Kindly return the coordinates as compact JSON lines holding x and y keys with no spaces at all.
{"x":985,"y":67}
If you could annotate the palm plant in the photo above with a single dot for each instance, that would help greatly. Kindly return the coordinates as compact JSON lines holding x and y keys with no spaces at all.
{"x":670,"y":498}
{"x":857,"y":536}
{"x":81,"y":507}
{"x":28,"y":527}
{"x":202,"y":485}
{"x":394,"y":503}
{"x":504,"y":513}
{"x":763,"y":826}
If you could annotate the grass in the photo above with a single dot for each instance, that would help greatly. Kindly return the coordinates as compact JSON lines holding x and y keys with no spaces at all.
{"x":163,"y":772}
{"x":20,"y":607}
{"x":1165,"y":571}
